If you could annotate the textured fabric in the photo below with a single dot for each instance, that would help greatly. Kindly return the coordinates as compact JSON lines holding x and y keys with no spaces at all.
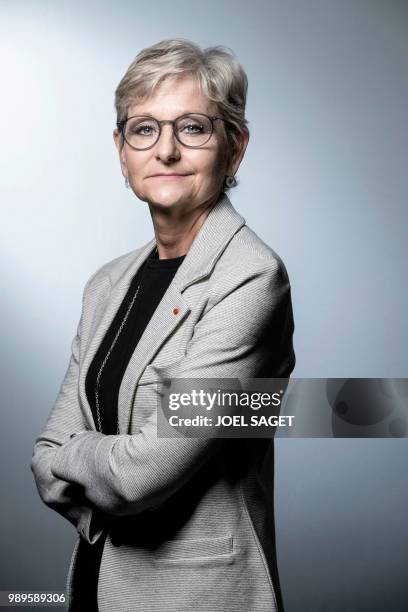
{"x":188,"y":522}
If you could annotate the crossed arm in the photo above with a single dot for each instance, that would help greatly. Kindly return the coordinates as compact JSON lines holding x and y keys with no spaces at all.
{"x":65,"y":497}
{"x":245,"y":334}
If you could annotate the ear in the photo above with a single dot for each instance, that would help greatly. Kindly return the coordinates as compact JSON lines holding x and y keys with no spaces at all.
{"x":118,"y":138}
{"x":238,"y":153}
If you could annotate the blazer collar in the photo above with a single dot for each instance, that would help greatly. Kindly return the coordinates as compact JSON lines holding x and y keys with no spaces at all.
{"x":219,"y":227}
{"x":222,"y":222}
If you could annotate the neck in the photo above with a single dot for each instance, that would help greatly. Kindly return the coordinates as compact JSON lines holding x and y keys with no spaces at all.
{"x":175,"y":229}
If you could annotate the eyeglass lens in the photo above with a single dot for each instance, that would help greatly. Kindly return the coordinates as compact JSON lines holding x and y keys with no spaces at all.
{"x":191,"y":130}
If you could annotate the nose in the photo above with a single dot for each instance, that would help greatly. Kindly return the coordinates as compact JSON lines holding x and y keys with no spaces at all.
{"x":167,"y":147}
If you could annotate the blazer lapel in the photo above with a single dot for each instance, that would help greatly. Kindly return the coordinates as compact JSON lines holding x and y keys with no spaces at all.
{"x":161,"y":325}
{"x":216,"y":232}
{"x":119,"y":286}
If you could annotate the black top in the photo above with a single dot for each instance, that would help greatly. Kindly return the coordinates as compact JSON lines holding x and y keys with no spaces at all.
{"x":154,"y":277}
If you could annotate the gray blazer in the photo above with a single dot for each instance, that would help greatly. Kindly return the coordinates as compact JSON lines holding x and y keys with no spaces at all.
{"x":189,"y":521}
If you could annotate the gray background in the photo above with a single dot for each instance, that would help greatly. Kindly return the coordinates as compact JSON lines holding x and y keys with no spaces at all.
{"x":324,"y":182}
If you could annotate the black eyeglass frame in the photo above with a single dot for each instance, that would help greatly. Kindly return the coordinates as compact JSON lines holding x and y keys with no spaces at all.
{"x":213,"y":118}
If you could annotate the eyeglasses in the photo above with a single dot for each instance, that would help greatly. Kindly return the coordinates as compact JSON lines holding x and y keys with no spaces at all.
{"x":192,"y":130}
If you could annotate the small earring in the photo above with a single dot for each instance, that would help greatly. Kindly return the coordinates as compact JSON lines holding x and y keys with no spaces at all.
{"x":230,"y":181}
{"x":127,"y":183}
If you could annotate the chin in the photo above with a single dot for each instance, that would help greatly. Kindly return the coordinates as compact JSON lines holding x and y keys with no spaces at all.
{"x":168,"y":200}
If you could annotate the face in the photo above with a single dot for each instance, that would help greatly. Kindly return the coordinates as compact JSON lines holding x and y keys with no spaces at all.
{"x":170,"y":174}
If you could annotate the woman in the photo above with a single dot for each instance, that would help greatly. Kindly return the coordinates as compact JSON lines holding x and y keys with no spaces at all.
{"x":171,"y":524}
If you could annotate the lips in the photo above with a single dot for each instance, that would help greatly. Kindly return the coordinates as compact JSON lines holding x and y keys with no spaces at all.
{"x":168,"y":178}
{"x":163,"y":175}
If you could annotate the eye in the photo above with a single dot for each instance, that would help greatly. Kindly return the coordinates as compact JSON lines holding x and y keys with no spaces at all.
{"x":193,"y":128}
{"x":144,"y":128}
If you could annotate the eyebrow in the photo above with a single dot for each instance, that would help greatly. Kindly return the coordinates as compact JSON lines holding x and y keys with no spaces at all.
{"x":183,"y":112}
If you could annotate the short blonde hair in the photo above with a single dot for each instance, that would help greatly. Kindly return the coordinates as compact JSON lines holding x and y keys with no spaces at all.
{"x":220,"y":75}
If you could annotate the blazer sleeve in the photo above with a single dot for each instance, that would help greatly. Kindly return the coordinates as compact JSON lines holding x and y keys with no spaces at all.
{"x":68,"y":499}
{"x":247,"y":333}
